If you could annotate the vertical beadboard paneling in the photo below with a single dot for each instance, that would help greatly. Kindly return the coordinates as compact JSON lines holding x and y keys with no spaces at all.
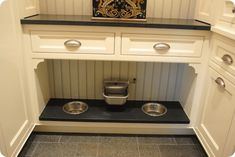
{"x":99,"y":78}
{"x":140,"y":75}
{"x":77,"y":7}
{"x":151,"y":7}
{"x":87,"y":7}
{"x":68,"y":7}
{"x":124,"y":71}
{"x":115,"y":70}
{"x":155,"y":8}
{"x":84,"y":79}
{"x":50,"y":8}
{"x":90,"y":79}
{"x":58,"y":79}
{"x":107,"y":70}
{"x":156,"y":81}
{"x":60,"y":7}
{"x":167,"y":8}
{"x":66,"y":78}
{"x":172,"y":81}
{"x":148,"y":81}
{"x":51,"y":78}
{"x":175,"y":12}
{"x":43,"y":6}
{"x":74,"y":79}
{"x":132,"y":76}
{"x":164,"y":81}
{"x":184,"y":9}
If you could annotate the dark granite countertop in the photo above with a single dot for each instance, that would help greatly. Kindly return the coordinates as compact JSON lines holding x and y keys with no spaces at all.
{"x":99,"y":111}
{"x":83,"y":20}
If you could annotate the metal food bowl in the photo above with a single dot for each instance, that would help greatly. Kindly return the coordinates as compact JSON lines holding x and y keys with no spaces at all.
{"x":154,"y":109}
{"x":75,"y":107}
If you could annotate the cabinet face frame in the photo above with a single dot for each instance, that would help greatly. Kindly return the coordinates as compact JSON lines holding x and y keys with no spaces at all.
{"x":198,"y":64}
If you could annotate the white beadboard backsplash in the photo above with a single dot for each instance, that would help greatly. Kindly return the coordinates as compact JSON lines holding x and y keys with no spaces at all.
{"x":84,"y":79}
{"x":183,"y":9}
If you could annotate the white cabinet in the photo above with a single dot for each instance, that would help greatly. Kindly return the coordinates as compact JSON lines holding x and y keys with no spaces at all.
{"x":209,"y":11}
{"x":15,"y":118}
{"x":219,"y":107}
{"x":30,"y":7}
{"x":218,"y":112}
{"x":228,"y":12}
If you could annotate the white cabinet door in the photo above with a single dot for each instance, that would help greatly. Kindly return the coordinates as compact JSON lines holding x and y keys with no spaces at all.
{"x":15,"y":120}
{"x":230,"y":144}
{"x":31,"y":7}
{"x":217,"y":113}
{"x":207,"y":10}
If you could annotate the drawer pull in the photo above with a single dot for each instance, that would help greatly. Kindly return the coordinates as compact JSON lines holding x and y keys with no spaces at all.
{"x":72,"y":44}
{"x":220,"y":82}
{"x":161,"y":46}
{"x":227,"y":59}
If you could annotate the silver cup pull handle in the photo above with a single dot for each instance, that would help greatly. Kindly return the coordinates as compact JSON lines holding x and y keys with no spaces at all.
{"x":227,"y":59}
{"x":74,"y":44}
{"x":161,"y":46}
{"x":220,"y":82}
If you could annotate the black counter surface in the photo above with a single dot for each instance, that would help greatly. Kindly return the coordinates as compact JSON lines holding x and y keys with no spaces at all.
{"x":84,"y":20}
{"x":99,"y":111}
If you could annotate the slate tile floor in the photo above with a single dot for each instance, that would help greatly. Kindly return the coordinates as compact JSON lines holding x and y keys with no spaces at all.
{"x":90,"y":145}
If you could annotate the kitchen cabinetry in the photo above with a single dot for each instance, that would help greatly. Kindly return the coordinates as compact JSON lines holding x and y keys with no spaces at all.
{"x":188,"y":47}
{"x":228,"y":12}
{"x":15,"y":114}
{"x":218,"y":111}
{"x":208,"y":10}
{"x":30,"y":7}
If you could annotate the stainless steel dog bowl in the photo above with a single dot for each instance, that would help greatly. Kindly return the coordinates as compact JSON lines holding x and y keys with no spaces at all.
{"x":154,"y":109}
{"x":75,"y":107}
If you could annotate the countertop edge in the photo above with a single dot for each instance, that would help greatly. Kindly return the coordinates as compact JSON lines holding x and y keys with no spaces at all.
{"x":113,"y":24}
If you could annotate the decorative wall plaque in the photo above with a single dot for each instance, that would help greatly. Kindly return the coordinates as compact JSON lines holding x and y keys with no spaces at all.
{"x":119,"y":9}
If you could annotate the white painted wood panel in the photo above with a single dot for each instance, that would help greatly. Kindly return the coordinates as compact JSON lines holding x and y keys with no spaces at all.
{"x":155,"y":8}
{"x":84,"y":79}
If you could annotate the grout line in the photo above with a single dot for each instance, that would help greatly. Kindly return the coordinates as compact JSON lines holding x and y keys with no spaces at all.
{"x":98,"y":145}
{"x":160,"y":153}
{"x":34,"y":150}
{"x":138,"y":146}
{"x":175,"y":141}
{"x":60,"y":139}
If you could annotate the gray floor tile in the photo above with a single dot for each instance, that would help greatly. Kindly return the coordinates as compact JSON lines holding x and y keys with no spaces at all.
{"x":201,"y":150}
{"x":118,"y":140}
{"x":118,"y":150}
{"x":46,"y":138}
{"x":72,"y":149}
{"x":185,"y":140}
{"x":179,"y":151}
{"x":48,"y":150}
{"x":79,"y":138}
{"x":86,"y":150}
{"x":156,"y":140}
{"x":28,"y":149}
{"x":149,"y":151}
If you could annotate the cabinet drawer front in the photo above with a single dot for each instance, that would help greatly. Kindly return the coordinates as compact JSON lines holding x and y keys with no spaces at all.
{"x":77,"y":42}
{"x":161,"y":45}
{"x":218,"y":111}
{"x":223,"y":53}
